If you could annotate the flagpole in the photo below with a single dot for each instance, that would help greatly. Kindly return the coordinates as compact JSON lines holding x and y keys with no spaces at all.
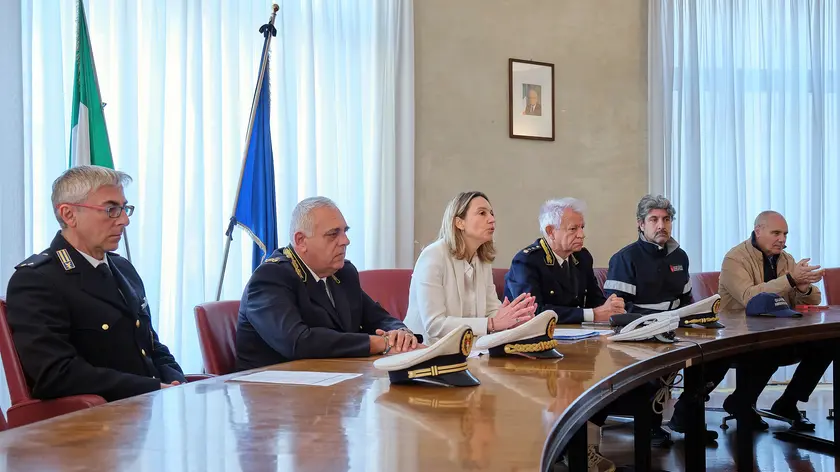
{"x":268,"y":30}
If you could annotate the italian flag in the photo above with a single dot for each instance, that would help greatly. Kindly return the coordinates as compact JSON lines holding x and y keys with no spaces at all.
{"x":88,"y":134}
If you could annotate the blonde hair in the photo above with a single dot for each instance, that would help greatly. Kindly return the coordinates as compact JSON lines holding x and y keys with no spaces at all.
{"x":457,"y":208}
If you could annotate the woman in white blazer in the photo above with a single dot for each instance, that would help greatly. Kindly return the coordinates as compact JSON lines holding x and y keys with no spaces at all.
{"x":452,"y":283}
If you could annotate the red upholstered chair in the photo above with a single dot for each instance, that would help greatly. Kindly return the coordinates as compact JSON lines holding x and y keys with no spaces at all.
{"x":704,"y":285}
{"x":216,"y":322}
{"x":831,"y":280}
{"x":499,"y":282}
{"x":389,"y":288}
{"x":25,"y":409}
{"x":601,"y":275}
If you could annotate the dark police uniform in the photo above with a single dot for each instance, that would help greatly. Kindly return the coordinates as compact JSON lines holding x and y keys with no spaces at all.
{"x":82,"y":330}
{"x":286,"y":315}
{"x":567,"y":289}
{"x":649,"y":278}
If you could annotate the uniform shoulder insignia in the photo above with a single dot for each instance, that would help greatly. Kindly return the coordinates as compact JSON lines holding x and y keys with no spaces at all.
{"x":531,"y":248}
{"x":297,"y":264}
{"x":274,"y":259}
{"x":35,"y":260}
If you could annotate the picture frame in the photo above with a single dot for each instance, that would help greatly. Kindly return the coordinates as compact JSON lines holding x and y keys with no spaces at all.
{"x":531,"y":99}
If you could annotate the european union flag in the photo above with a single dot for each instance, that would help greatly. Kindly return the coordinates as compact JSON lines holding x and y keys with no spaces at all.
{"x":256,"y":208}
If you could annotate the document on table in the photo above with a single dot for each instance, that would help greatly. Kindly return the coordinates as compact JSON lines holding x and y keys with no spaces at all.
{"x":288,"y":377}
{"x":575,"y":334}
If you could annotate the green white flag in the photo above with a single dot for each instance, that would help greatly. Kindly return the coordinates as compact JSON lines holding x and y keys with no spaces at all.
{"x":88,"y":134}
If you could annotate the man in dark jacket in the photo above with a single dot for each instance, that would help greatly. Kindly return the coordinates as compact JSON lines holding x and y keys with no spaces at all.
{"x":557,"y":269}
{"x":305,"y":301}
{"x":78,"y":312}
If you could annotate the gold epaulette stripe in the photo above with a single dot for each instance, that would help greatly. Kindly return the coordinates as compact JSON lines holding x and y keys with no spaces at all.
{"x":436,"y":370}
{"x":535,"y":347}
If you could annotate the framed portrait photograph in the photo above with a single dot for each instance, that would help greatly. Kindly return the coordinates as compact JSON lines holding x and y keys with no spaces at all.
{"x":531,"y":105}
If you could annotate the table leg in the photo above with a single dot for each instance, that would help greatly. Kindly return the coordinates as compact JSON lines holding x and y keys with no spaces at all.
{"x":695,"y":421}
{"x":577,"y":452}
{"x":836,"y":402}
{"x":641,"y":434}
{"x":744,"y":456}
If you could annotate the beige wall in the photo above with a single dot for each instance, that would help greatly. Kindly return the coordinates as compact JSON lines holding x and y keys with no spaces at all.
{"x":599,"y":52}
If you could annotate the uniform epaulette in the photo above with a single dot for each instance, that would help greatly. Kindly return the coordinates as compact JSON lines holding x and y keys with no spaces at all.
{"x":530,"y":248}
{"x":35,"y":260}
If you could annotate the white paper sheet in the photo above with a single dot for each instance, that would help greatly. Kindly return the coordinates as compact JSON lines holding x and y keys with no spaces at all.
{"x":575,"y":334}
{"x":287,"y":377}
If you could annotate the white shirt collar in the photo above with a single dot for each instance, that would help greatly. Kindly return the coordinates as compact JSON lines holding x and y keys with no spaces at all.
{"x":560,"y":259}
{"x":93,"y":261}
{"x":314,"y":275}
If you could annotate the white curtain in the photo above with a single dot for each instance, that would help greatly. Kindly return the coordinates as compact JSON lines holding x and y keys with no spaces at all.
{"x":178,"y":79}
{"x":744,"y":100}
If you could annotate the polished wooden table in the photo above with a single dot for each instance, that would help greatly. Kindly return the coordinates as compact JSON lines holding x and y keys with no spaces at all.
{"x":524,"y":413}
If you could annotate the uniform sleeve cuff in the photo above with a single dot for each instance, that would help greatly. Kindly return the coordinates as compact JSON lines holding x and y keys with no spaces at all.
{"x":588,"y":315}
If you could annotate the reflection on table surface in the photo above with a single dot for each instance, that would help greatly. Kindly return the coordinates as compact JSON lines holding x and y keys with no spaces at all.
{"x":362,"y":424}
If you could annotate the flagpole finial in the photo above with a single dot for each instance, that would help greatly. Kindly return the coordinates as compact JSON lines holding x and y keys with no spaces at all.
{"x":275,"y":7}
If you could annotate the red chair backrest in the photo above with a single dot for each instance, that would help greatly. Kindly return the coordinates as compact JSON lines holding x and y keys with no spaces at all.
{"x":704,"y":285}
{"x":831,"y":281}
{"x":18,"y":388}
{"x":499,"y":282}
{"x":216,"y":323}
{"x":388,"y":287}
{"x":601,"y":275}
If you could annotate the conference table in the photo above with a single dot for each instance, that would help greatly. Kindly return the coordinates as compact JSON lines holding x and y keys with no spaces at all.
{"x":522,"y":417}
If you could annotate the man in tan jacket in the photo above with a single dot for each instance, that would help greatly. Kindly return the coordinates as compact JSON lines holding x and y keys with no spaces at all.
{"x":760,"y":265}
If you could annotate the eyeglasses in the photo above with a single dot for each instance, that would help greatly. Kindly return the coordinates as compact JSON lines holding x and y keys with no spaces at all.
{"x":114,"y":211}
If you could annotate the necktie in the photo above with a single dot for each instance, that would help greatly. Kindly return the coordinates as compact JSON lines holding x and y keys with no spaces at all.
{"x":327,"y":289}
{"x":106,"y":272}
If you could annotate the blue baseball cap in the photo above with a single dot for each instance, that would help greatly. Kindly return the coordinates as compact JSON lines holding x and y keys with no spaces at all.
{"x":770,"y":304}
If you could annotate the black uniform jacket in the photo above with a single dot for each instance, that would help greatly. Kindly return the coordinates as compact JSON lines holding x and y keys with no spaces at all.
{"x":78,"y":331}
{"x":535,"y":270}
{"x":286,"y":315}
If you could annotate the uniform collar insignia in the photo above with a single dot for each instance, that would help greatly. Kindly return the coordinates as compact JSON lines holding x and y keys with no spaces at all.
{"x":296,"y":263}
{"x":549,"y":256}
{"x":64,"y":257}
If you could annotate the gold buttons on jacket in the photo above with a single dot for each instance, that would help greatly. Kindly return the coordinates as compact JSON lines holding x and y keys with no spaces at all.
{"x":105,"y":327}
{"x":143,"y":351}
{"x":137,"y":323}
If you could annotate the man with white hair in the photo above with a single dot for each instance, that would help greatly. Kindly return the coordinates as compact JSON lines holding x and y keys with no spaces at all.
{"x":557,"y":269}
{"x":305,"y":301}
{"x":78,"y":311}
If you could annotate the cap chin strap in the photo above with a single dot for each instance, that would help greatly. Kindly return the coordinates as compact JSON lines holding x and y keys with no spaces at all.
{"x":657,"y":326}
